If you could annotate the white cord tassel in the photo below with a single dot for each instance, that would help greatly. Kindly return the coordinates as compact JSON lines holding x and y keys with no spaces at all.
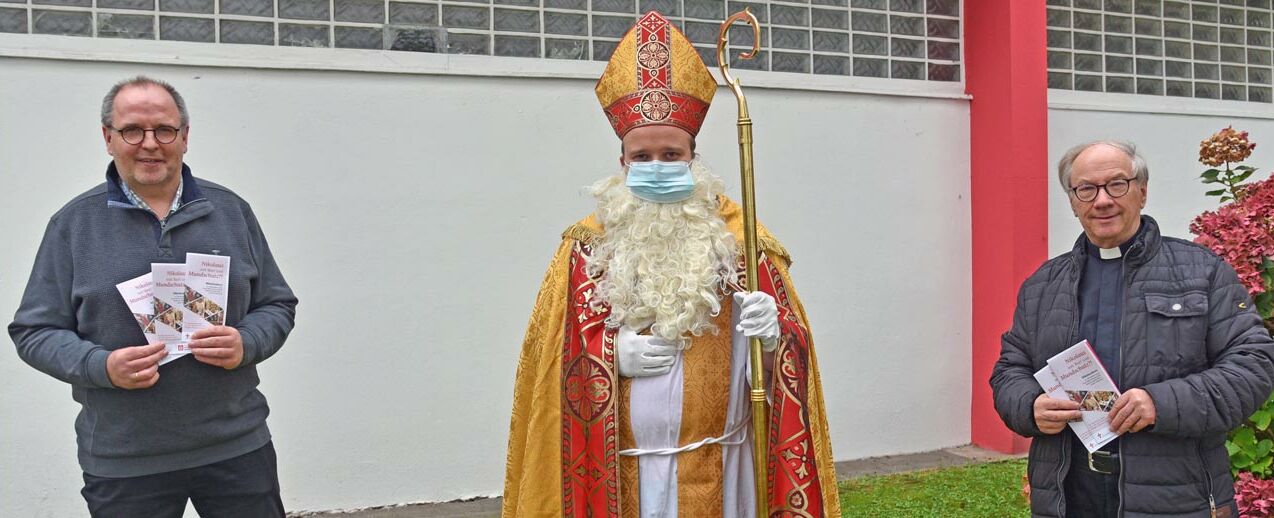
{"x":736,"y":430}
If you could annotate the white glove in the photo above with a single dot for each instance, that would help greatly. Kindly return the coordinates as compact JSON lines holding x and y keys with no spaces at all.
{"x":639,"y":355}
{"x":758,"y":318}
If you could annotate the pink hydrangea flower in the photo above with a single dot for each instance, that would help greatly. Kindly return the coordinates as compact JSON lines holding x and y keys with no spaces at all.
{"x":1242,"y":232}
{"x":1254,"y":496}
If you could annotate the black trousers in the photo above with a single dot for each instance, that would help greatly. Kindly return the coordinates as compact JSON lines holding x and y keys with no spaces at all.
{"x":246,"y":486}
{"x":1089,"y":494}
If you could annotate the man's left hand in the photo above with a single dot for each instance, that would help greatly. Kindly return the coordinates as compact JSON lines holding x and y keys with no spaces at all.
{"x":218,"y":345}
{"x":1133,"y":412}
{"x":758,"y":318}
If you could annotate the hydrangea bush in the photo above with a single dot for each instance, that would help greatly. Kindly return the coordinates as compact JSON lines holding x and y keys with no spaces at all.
{"x":1241,"y":231}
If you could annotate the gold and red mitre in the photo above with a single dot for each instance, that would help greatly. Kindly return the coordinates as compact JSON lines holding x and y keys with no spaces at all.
{"x":654,"y":77}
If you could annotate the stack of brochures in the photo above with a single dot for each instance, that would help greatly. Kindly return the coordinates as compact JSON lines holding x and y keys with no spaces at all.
{"x":1077,"y":374}
{"x":176,"y":299}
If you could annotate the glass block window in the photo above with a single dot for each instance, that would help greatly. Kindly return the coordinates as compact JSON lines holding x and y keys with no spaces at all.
{"x":898,"y":39}
{"x":1208,"y":49}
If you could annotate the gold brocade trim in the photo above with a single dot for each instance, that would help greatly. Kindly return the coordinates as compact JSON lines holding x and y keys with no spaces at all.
{"x":816,"y":410}
{"x":773,"y":248}
{"x":629,"y":478}
{"x":705,"y":401}
{"x":582,"y":233}
{"x":535,"y":425}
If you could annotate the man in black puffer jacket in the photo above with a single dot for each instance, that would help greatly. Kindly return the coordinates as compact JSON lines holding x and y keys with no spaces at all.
{"x":1173,"y":326}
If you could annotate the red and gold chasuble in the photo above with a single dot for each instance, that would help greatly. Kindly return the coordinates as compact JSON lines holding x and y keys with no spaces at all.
{"x":570,"y":416}
{"x":590,"y":381}
{"x":591,"y":405}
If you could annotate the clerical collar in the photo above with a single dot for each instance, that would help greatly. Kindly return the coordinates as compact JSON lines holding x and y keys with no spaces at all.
{"x":1108,"y":254}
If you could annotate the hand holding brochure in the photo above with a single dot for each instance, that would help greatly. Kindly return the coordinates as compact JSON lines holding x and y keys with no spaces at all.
{"x":153,"y":315}
{"x":177,"y":299}
{"x":1078,"y":375}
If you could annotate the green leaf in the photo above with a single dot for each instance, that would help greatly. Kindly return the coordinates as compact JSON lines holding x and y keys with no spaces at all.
{"x":1245,"y":168}
{"x":1264,"y":298}
{"x":1231,"y":448}
{"x":1245,"y":437}
{"x":1210,"y":175}
{"x":1263,"y":448}
{"x":1243,"y":176}
{"x":1262,"y":466}
{"x":1265,"y":305}
{"x":1241,"y":460}
{"x":1261,"y":418}
{"x":1217,"y":192}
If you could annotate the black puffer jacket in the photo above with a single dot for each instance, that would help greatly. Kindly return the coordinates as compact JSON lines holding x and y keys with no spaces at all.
{"x":1191,"y":338}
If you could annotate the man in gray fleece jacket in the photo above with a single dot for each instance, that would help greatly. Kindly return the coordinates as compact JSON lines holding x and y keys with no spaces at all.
{"x":150,"y":438}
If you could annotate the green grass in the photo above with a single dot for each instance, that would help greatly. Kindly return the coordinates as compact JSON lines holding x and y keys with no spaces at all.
{"x":992,"y":490}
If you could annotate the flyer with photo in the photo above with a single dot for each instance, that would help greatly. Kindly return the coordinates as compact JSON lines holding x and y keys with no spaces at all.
{"x":1078,"y":375}
{"x":140,"y":296}
{"x":206,"y":290}
{"x":169,"y":280}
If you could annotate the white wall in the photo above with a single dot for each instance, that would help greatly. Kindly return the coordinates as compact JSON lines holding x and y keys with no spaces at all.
{"x":1170,"y":144}
{"x":414,"y":216}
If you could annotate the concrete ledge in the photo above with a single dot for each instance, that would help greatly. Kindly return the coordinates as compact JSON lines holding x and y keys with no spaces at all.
{"x":477,"y":508}
{"x":945,"y":458}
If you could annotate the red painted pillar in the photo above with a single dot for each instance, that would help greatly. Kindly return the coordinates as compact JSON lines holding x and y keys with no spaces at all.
{"x":1006,"y":74}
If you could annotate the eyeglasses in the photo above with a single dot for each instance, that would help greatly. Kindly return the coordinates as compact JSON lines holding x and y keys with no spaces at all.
{"x":135,"y":135}
{"x":1115,"y":188}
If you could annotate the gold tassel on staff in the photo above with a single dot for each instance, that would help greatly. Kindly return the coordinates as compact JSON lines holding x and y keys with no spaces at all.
{"x":760,"y":429}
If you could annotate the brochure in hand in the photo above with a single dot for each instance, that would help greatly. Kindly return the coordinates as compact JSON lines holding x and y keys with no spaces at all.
{"x":1078,"y":375}
{"x":176,"y":299}
{"x":207,"y":281}
{"x":153,"y":315}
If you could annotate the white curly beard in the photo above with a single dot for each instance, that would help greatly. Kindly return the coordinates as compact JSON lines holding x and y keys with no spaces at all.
{"x":663,"y":265}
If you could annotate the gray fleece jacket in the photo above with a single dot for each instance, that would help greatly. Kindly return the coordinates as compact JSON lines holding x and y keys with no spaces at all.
{"x":71,"y":318}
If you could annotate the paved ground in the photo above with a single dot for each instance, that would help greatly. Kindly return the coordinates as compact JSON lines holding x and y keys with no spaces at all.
{"x":490,"y":507}
{"x":958,"y":456}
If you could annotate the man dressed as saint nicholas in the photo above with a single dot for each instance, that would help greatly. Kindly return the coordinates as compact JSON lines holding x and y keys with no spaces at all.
{"x":631,"y":396}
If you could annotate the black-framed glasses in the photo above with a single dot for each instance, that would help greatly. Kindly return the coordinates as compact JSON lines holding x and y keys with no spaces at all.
{"x":135,"y":135}
{"x":1115,"y":189}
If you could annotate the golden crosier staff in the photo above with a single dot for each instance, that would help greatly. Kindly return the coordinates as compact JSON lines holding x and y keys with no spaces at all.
{"x":760,"y":430}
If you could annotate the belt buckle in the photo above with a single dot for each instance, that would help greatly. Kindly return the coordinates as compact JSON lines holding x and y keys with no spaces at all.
{"x":1102,"y":454}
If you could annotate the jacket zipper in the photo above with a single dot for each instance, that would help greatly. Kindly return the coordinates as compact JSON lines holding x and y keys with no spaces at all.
{"x":1208,"y":478}
{"x":1064,"y":465}
{"x":1127,"y":282}
{"x":1126,"y":278}
{"x":1061,"y":476}
{"x":163,"y":224}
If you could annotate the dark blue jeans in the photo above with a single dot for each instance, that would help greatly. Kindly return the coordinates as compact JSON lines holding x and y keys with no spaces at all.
{"x":247,"y":485}
{"x":1089,"y":494}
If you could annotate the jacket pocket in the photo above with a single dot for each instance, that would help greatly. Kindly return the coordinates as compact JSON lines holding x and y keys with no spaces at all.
{"x":1177,"y":329}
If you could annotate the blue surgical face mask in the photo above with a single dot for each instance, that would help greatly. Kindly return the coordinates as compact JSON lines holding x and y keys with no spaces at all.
{"x":660,"y":182}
